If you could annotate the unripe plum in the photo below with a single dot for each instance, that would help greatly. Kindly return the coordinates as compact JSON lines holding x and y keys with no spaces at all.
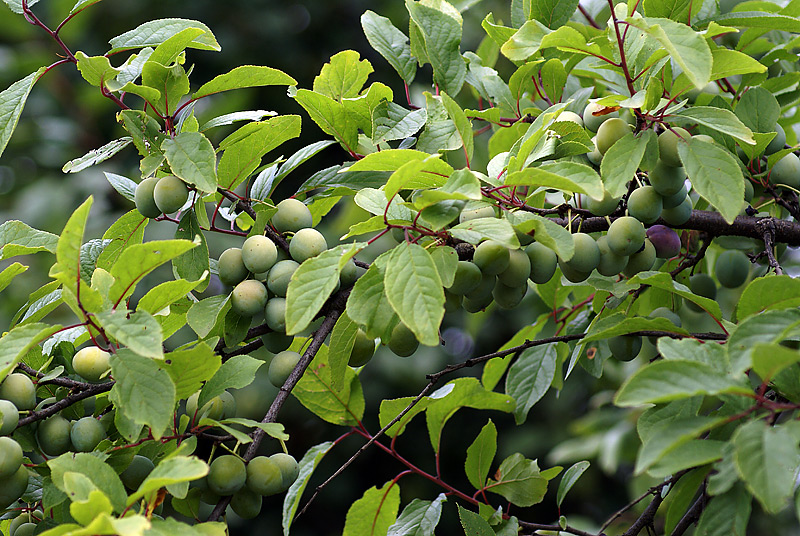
{"x":136,"y":472}
{"x":275,"y":341}
{"x":10,"y":457}
{"x":226,"y":475}
{"x":349,"y":274}
{"x":467,"y":278}
{"x":586,"y":256}
{"x":484,"y":289}
{"x":231,"y":267}
{"x":19,"y":390}
{"x":543,"y":262}
{"x":53,"y":435}
{"x":477,"y":303}
{"x":249,"y":297}
{"x":518,"y":271}
{"x":143,"y":198}
{"x":594,"y":156}
{"x":667,"y":180}
{"x":363,"y":350}
{"x":280,"y":275}
{"x":170,"y":194}
{"x":213,"y":409}
{"x":452,"y":302}
{"x":778,"y":142}
{"x":9,"y":417}
{"x":665,"y":240}
{"x":91,"y":363}
{"x":592,"y":121}
{"x":625,"y":236}
{"x":246,"y":504}
{"x":572,"y":117}
{"x":289,"y":468}
{"x":307,"y":243}
{"x":668,"y":145}
{"x":672,"y":201}
{"x":732,"y":268}
{"x":264,"y":476}
{"x":610,"y":132}
{"x":625,"y":347}
{"x":292,"y":215}
{"x":644,"y":204}
{"x":281,"y":367}
{"x":26,"y":529}
{"x":13,"y":487}
{"x":508,"y":297}
{"x":259,"y":254}
{"x":403,"y":342}
{"x":491,"y":257}
{"x":786,"y":171}
{"x":680,"y":214}
{"x":86,"y":434}
{"x":275,"y":314}
{"x":572,"y":275}
{"x":605,"y":206}
{"x":610,"y":264}
{"x":641,"y":261}
{"x":702,"y":285}
{"x":664,"y":312}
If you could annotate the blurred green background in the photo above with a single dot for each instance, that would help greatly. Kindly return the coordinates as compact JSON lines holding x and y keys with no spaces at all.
{"x":64,"y":118}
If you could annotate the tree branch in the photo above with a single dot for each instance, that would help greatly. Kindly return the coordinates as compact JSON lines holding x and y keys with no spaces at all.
{"x":65,"y":402}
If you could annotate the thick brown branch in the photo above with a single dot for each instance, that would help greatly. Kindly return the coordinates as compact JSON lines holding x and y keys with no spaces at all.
{"x":65,"y":403}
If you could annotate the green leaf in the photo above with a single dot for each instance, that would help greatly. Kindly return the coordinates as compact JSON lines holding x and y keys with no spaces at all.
{"x":758,"y":109}
{"x":242,"y":77}
{"x":439,"y":25}
{"x":732,"y":62}
{"x":766,"y":293}
{"x":368,"y":304}
{"x":694,"y":453}
{"x":474,"y":524}
{"x":97,"y":70}
{"x":758,"y":19}
{"x":685,"y":46}
{"x":244,"y":148}
{"x":343,"y":76}
{"x":418,"y":518}
{"x":461,"y":393}
{"x":569,"y":479}
{"x":307,"y":465}
{"x":553,"y":13}
{"x":143,"y":392}
{"x":229,"y":119}
{"x":768,"y":327}
{"x":126,"y":231}
{"x":767,"y":458}
{"x":375,"y":512}
{"x":123,"y":185}
{"x":165,"y":294}
{"x":17,"y":238}
{"x":330,"y":116}
{"x":96,"y":470}
{"x":519,"y":481}
{"x":663,"y":381}
{"x":12,"y":101}
{"x":677,"y":10}
{"x":397,"y":123}
{"x":474,"y":231}
{"x":16,"y":5}
{"x":191,"y":157}
{"x":446,"y":260}
{"x":237,"y":372}
{"x":168,"y":51}
{"x":390,"y":43}
{"x":622,"y":159}
{"x":16,"y":343}
{"x":170,"y":471}
{"x":414,"y":290}
{"x":480,"y":455}
{"x":139,"y":331}
{"x":193,"y":264}
{"x":530,"y":377}
{"x":343,"y":337}
{"x":719,"y":119}
{"x":668,"y":435}
{"x":621,"y":324}
{"x":566,"y":176}
{"x":263,"y":190}
{"x":664,"y":281}
{"x":153,"y":33}
{"x":715,"y":175}
{"x":463,"y":125}
{"x":9,"y":273}
{"x":191,"y":368}
{"x":138,"y":260}
{"x":726,"y":514}
{"x":344,"y":406}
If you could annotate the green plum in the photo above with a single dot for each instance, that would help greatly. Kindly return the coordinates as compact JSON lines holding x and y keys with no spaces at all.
{"x":289,"y":468}
{"x":86,"y":434}
{"x":668,"y":145}
{"x":9,"y":417}
{"x":732,"y":268}
{"x":10,"y":457}
{"x":362,"y":351}
{"x":91,"y":363}
{"x":610,"y":132}
{"x":226,"y":475}
{"x":259,"y":254}
{"x":170,"y":194}
{"x":136,"y":472}
{"x":280,"y":275}
{"x":13,"y":487}
{"x":403,"y":342}
{"x":467,"y":278}
{"x":625,"y":236}
{"x":491,"y":257}
{"x":292,"y":216}
{"x":667,"y":180}
{"x":641,"y":261}
{"x":281,"y":367}
{"x":543,"y":262}
{"x":644,"y":204}
{"x":518,"y":271}
{"x":246,"y":504}
{"x":586,"y":256}
{"x":231,"y":267}
{"x":625,"y":347}
{"x":264,"y":476}
{"x":249,"y":297}
{"x":143,"y":198}
{"x":275,"y":314}
{"x":53,"y":435}
{"x":307,"y":243}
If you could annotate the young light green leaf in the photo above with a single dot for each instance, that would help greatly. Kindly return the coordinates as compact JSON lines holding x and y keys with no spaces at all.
{"x":569,"y":479}
{"x":566,"y":176}
{"x":153,"y":33}
{"x":418,"y":518}
{"x":229,"y":119}
{"x":170,"y":471}
{"x":397,"y":123}
{"x":368,"y":304}
{"x":529,"y":378}
{"x":242,"y":77}
{"x":480,"y":455}
{"x":165,"y":294}
{"x":18,"y":341}
{"x":16,"y":5}
{"x":191,"y":157}
{"x":439,"y":25}
{"x":96,"y":70}
{"x":552,"y":13}
{"x":519,"y":481}
{"x":139,"y":331}
{"x":12,"y":101}
{"x":375,"y":512}
{"x":343,"y":337}
{"x":18,"y":238}
{"x":193,"y":264}
{"x":9,"y":273}
{"x":767,"y":458}
{"x":622,"y":159}
{"x":143,"y":392}
{"x":715,"y":175}
{"x":92,"y":467}
{"x":95,"y":156}
{"x":390,"y":43}
{"x":191,"y":368}
{"x":237,"y":372}
{"x":126,"y":231}
{"x":414,"y":290}
{"x":473,"y":524}
{"x":330,"y":115}
{"x":68,"y":250}
{"x":307,"y":465}
{"x":473,"y":231}
{"x":463,"y":125}
{"x":343,"y":76}
{"x":663,"y":381}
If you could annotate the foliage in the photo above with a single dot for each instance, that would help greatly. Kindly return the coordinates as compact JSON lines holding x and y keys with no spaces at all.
{"x":578,"y":180}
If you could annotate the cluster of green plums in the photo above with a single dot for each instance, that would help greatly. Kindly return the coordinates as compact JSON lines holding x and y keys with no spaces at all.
{"x":155,"y":196}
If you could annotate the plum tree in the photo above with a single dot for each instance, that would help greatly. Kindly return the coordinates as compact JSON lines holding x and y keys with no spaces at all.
{"x":91,"y":363}
{"x":170,"y":194}
{"x":281,"y":366}
{"x":226,"y":475}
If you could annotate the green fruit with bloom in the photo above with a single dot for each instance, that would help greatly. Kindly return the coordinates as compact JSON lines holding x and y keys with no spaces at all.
{"x":282,"y":366}
{"x":732,"y":268}
{"x":249,"y":297}
{"x":264,"y":476}
{"x":9,"y":417}
{"x":86,"y":433}
{"x":467,"y":278}
{"x":586,"y":256}
{"x":226,"y":475}
{"x":144,"y":200}
{"x":280,"y":275}
{"x":610,"y":132}
{"x":10,"y":457}
{"x":275,"y":314}
{"x":625,"y":347}
{"x":136,"y":472}
{"x":231,"y":267}
{"x":543,"y":262}
{"x":13,"y":487}
{"x":307,"y":243}
{"x":491,"y":257}
{"x":19,"y":390}
{"x":362,"y":351}
{"x":402,"y":341}
{"x":259,"y":254}
{"x":625,"y":236}
{"x":292,"y":216}
{"x":668,"y":145}
{"x":53,"y":435}
{"x":246,"y":504}
{"x":644,"y":204}
{"x":91,"y":363}
{"x":289,"y":468}
{"x":170,"y":194}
